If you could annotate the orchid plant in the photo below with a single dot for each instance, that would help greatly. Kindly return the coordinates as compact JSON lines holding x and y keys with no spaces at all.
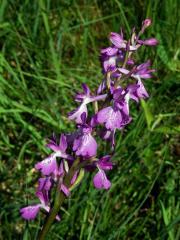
{"x":76,"y":152}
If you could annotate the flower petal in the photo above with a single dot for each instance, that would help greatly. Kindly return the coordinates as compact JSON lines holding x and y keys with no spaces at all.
{"x":100,"y":180}
{"x":30,"y":212}
{"x":48,"y":165}
{"x":85,"y":146}
{"x":65,"y":190}
{"x":76,"y":114}
{"x":63,"y":143}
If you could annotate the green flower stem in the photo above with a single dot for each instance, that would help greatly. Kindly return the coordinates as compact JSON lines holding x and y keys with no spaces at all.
{"x":59,"y":199}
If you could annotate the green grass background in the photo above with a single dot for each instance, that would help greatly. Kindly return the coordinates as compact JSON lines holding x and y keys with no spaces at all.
{"x":48,"y":48}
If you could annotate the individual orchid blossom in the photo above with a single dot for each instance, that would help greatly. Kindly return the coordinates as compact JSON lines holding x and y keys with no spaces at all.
{"x":44,"y":186}
{"x":84,"y":98}
{"x":117,"y":115}
{"x":118,"y":41}
{"x":85,"y":145}
{"x":100,"y":179}
{"x":49,"y":165}
{"x":140,"y":71}
{"x":30,"y":212}
{"x":137,"y":91}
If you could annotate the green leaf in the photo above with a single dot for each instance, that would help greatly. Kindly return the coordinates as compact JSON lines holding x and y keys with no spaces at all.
{"x":78,"y":180}
{"x":147,"y":112}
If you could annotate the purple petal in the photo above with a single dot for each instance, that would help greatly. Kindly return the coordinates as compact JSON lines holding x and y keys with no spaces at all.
{"x":43,"y":197}
{"x":102,"y":115}
{"x":86,"y":89}
{"x":65,"y":190}
{"x":97,"y":98}
{"x":83,"y":117}
{"x":53,"y":146}
{"x":100,"y":180}
{"x":110,"y":64}
{"x":63,"y":143}
{"x":76,"y":114}
{"x":104,"y":163}
{"x":47,"y":166}
{"x":74,"y":178}
{"x":141,"y":91}
{"x":151,"y":42}
{"x":30,"y":212}
{"x":47,"y":209}
{"x":85,"y":146}
{"x":44,"y":184}
{"x":108,"y":136}
{"x":117,"y":40}
{"x":110,"y":51}
{"x":101,"y":87}
{"x":123,"y":70}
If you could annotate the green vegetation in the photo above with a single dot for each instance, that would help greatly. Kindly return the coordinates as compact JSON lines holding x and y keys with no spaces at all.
{"x":48,"y":48}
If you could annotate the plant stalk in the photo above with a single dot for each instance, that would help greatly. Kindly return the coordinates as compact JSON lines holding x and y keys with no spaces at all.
{"x":59,"y":199}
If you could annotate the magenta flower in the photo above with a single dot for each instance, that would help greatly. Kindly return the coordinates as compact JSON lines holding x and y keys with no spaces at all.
{"x":118,"y":41}
{"x":146,"y":23}
{"x":30,"y":212}
{"x":149,"y":42}
{"x":117,"y":115}
{"x":84,"y":98}
{"x":44,"y":186}
{"x":137,"y":91}
{"x":109,"y":51}
{"x":100,"y":180}
{"x":78,"y":150}
{"x":141,"y":71}
{"x":49,"y":165}
{"x":85,"y":145}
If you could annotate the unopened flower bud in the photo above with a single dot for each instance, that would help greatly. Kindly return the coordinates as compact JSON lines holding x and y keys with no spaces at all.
{"x":151,"y":42}
{"x":146,"y":23}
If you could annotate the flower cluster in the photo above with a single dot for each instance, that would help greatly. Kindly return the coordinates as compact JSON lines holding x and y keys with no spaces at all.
{"x":122,"y":82}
